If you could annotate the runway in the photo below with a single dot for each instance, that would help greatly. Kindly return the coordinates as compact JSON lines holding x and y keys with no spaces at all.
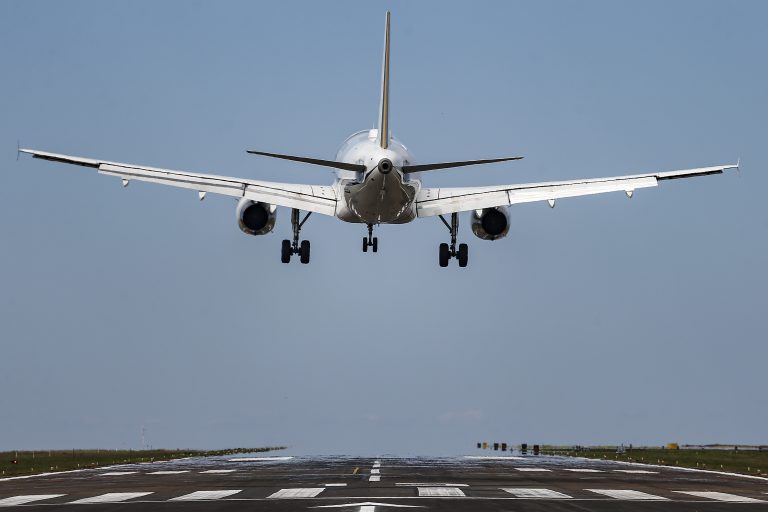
{"x":380,"y":484}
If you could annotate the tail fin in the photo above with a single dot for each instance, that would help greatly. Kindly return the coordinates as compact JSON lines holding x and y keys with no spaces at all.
{"x":384,"y":106}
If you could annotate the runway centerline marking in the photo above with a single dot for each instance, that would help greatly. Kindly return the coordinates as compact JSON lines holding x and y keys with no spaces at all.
{"x":583,"y":470}
{"x":111,"y":497}
{"x":206,"y":495}
{"x":335,"y":485}
{"x":440,"y":491}
{"x":259,"y":459}
{"x":535,"y":493}
{"x":306,"y":492}
{"x":218,"y":471}
{"x":29,"y":498}
{"x":533,"y":469}
{"x":119,"y":473}
{"x":169,"y":472}
{"x":722,"y":496}
{"x":628,"y":494}
{"x":636,"y":471}
{"x":430,"y":484}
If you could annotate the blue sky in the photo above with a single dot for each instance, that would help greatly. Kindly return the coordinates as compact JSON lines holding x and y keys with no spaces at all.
{"x":603,"y":320}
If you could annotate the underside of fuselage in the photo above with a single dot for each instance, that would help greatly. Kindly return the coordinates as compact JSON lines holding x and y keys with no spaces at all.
{"x":380,"y":199}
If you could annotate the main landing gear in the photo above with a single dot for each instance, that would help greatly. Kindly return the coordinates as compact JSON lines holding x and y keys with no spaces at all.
{"x":447,"y":252}
{"x":289,"y":248}
{"x":370,"y":241}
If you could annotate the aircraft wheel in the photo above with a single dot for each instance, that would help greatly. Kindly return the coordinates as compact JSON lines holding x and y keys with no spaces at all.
{"x":285,"y":253}
{"x":375,"y":244}
{"x":304,"y":252}
{"x":365,"y":244}
{"x":463,"y":255}
{"x":444,"y":255}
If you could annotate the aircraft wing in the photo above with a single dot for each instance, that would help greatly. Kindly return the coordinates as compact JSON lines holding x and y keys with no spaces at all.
{"x":439,"y":201}
{"x":313,"y":198}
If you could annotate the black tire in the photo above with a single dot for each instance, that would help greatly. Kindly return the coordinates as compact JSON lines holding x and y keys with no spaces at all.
{"x":304,"y":252}
{"x":375,"y":244}
{"x":463,"y":255}
{"x":365,"y":244}
{"x":444,"y":255}
{"x":285,"y":253}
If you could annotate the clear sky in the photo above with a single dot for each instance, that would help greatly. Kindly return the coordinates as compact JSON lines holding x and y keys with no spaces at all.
{"x":604,"y":320}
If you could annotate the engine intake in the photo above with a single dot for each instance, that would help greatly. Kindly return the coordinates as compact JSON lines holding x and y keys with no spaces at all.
{"x":490,"y":223}
{"x":255,"y":218}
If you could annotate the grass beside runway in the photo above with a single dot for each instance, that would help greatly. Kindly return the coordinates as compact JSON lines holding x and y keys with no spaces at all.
{"x":23,"y":463}
{"x":748,"y":462}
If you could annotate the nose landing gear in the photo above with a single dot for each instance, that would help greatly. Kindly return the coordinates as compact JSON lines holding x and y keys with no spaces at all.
{"x":447,"y":252}
{"x":289,"y":247}
{"x":370,"y":241}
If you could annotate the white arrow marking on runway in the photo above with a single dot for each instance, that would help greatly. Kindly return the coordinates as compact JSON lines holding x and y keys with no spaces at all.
{"x":206,"y":495}
{"x":112,"y":497}
{"x":722,"y":496}
{"x":369,"y":504}
{"x":20,"y":500}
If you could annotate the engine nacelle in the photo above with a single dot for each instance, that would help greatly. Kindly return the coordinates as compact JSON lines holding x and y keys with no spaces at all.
{"x":255,"y":218}
{"x":490,"y":223}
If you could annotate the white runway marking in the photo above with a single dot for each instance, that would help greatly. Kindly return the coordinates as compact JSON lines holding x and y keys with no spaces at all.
{"x":440,"y":491}
{"x":335,"y":485}
{"x":377,"y":464}
{"x":532,"y":469}
{"x":583,"y":470}
{"x":206,"y":495}
{"x":119,"y":473}
{"x":21,"y":500}
{"x":309,"y":492}
{"x":169,"y":472}
{"x":259,"y":459}
{"x":375,"y":471}
{"x":722,"y":496}
{"x":431,"y":484}
{"x":367,"y":508}
{"x":636,"y":471}
{"x":535,"y":493}
{"x":219,"y":471}
{"x":626,"y":494}
{"x":111,"y":497}
{"x":375,"y":478}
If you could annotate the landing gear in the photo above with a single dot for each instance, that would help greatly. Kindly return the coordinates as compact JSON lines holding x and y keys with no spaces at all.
{"x":370,"y":241}
{"x":447,"y":252}
{"x":293,"y":247}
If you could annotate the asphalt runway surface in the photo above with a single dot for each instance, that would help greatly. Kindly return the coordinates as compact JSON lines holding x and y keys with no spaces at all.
{"x":503,"y":483}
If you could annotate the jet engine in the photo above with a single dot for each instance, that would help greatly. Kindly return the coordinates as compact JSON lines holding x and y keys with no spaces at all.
{"x":255,"y":218}
{"x":490,"y":223}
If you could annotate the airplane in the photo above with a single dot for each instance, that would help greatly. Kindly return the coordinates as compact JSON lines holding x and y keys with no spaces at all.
{"x":377,"y":182}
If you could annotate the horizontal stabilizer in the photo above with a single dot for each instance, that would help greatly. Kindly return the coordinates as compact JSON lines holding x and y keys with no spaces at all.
{"x":448,"y":165}
{"x":316,"y":161}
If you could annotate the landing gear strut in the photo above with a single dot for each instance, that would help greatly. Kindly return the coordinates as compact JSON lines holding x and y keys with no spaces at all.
{"x":289,"y":248}
{"x":370,"y":240}
{"x":447,"y":252}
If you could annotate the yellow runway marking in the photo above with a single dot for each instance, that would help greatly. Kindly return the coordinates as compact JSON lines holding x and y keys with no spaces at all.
{"x":355,"y":471}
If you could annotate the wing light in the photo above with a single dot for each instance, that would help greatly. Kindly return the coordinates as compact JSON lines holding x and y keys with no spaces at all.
{"x":551,"y":203}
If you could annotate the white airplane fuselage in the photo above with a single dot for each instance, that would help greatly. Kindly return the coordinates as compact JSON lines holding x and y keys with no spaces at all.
{"x":374,"y":196}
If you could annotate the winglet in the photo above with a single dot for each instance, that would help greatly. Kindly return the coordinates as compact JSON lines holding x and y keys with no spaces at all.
{"x":18,"y":149}
{"x":384,"y":104}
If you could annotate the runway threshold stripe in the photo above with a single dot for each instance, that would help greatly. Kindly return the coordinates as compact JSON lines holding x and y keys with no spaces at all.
{"x":440,"y":491}
{"x":206,"y":495}
{"x":308,"y":492}
{"x":29,"y":498}
{"x":375,"y":471}
{"x":535,"y":493}
{"x":111,"y":497}
{"x":722,"y":496}
{"x":375,"y":478}
{"x":628,"y":494}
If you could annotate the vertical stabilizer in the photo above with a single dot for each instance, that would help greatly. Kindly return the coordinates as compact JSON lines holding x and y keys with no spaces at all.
{"x":384,"y":106}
